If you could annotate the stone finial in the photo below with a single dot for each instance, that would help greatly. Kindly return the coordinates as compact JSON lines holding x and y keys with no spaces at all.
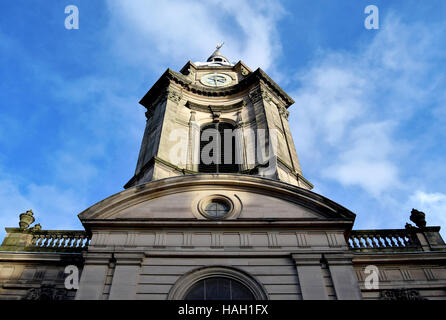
{"x":418,"y":217}
{"x":36,"y":227}
{"x":408,"y":226}
{"x":26,"y":219}
{"x":217,"y":57}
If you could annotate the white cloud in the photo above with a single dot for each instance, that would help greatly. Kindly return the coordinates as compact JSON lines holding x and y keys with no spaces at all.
{"x":367,"y":159}
{"x":433,"y":204}
{"x":53,"y":208}
{"x":350,"y":106}
{"x":12,"y":202}
{"x":172,"y":32}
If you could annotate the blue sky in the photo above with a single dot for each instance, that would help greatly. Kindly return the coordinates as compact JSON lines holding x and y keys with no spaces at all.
{"x":368,"y":122}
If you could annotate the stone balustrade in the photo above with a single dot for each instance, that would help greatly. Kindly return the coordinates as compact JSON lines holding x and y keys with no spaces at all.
{"x":56,"y":240}
{"x":384,"y":240}
{"x":45,"y":240}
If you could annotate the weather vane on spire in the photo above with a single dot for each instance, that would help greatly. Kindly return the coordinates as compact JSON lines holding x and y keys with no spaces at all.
{"x":219,"y":45}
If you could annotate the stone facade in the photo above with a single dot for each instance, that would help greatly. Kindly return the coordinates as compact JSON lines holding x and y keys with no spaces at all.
{"x":276,"y":238}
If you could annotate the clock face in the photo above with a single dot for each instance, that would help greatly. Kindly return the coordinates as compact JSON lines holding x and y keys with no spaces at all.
{"x":216,"y":80}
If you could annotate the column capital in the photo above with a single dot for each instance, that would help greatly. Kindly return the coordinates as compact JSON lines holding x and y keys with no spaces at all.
{"x":339,"y":258}
{"x":306,"y":259}
{"x":92,"y":258}
{"x":129,"y":258}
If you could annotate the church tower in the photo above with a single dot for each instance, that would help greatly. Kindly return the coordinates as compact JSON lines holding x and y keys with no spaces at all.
{"x":217,"y":117}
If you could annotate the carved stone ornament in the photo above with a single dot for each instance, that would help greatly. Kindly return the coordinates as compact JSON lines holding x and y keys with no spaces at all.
{"x":408,"y":226}
{"x":46,"y":292}
{"x":37,"y":227}
{"x":255,"y":96}
{"x":266,"y":96}
{"x":173,"y":95}
{"x":400,"y":294}
{"x":26,"y":219}
{"x":216,"y":116}
{"x":283,"y":111}
{"x":258,"y":94}
{"x":418,"y":217}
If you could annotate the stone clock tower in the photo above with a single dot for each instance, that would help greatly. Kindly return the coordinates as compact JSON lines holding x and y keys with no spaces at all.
{"x":219,"y":96}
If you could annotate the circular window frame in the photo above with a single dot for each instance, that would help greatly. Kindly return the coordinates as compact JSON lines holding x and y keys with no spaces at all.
{"x":203,"y":203}
{"x":181,"y":288}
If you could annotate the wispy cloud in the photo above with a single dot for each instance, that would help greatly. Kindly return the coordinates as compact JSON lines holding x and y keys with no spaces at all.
{"x":433,"y":204}
{"x":154,"y":33}
{"x":53,"y":207}
{"x":92,"y":119}
{"x":353,"y":105}
{"x":367,"y":161}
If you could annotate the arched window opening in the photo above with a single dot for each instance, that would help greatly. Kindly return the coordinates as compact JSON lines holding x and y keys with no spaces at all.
{"x":218,"y":149}
{"x":219,"y":288}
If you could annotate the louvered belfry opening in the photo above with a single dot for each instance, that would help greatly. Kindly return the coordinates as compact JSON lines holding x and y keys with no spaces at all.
{"x":212,"y":140}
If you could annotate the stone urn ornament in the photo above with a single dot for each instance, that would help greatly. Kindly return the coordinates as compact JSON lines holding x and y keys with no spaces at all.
{"x":26,"y":219}
{"x":418,"y":217}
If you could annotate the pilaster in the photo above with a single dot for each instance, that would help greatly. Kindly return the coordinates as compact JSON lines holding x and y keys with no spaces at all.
{"x":125,"y":278}
{"x":93,"y":276}
{"x":343,"y":276}
{"x":309,"y":271}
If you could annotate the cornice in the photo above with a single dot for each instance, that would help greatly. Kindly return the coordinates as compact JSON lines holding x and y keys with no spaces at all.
{"x":399,"y":257}
{"x":56,"y":257}
{"x":149,"y":164}
{"x":216,"y":108}
{"x":170,"y":76}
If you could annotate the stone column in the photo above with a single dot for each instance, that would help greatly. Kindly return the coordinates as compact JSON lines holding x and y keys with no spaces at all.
{"x":309,"y":272}
{"x":343,"y":276}
{"x":125,"y":277}
{"x":193,"y":151}
{"x":240,"y":143}
{"x":91,"y":284}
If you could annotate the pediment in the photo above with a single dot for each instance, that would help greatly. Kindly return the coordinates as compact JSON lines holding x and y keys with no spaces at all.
{"x":255,"y":200}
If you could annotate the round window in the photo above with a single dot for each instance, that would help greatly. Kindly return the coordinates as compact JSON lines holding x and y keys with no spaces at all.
{"x":217,"y":209}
